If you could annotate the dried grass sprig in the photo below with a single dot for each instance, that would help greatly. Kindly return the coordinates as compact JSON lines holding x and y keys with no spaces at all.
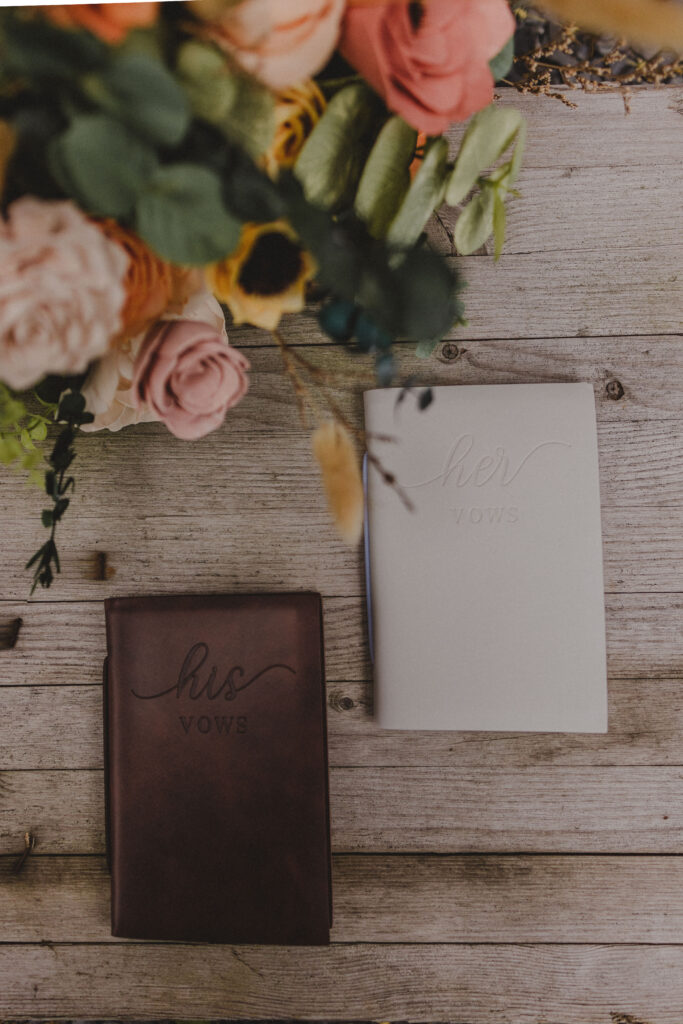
{"x":340,"y":469}
{"x":613,"y":68}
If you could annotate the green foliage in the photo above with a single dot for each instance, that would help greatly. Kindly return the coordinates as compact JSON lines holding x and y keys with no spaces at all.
{"x":71,"y":414}
{"x":331,"y":161}
{"x":488,"y":135}
{"x":21,"y":434}
{"x":502,"y":63}
{"x":386,"y":176}
{"x":102,"y":165}
{"x":411,"y":294}
{"x":142,"y":94}
{"x":424,"y":196}
{"x":181,"y":215}
{"x":238,"y":105}
{"x":475,"y":223}
{"x":36,"y":49}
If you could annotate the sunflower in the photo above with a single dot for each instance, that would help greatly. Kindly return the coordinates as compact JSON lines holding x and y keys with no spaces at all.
{"x":265,"y":276}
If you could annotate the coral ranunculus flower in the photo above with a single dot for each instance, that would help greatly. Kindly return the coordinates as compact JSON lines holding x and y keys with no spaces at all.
{"x":152,"y":286}
{"x":280,"y":42}
{"x":265,"y":277}
{"x":110,"y":22}
{"x":297,"y":111}
{"x":428,"y":60}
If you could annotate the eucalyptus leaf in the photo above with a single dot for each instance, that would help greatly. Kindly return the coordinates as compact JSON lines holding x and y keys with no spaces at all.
{"x":330,"y":163}
{"x":238,"y":104}
{"x":518,"y":153}
{"x":423,"y":197}
{"x":475,"y":223}
{"x":142,"y":93}
{"x":101,"y":164}
{"x":502,"y":63}
{"x":181,"y":215}
{"x":499,"y":219}
{"x":488,"y":135}
{"x":386,"y":176}
{"x":39,"y":50}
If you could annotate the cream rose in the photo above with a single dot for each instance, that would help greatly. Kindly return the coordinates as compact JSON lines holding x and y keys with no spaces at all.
{"x":61,"y":291}
{"x":280,"y":42}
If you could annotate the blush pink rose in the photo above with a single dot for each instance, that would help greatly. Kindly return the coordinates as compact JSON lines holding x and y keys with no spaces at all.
{"x":429,"y":61}
{"x":280,"y":42}
{"x":61,"y":291}
{"x":188,"y":376}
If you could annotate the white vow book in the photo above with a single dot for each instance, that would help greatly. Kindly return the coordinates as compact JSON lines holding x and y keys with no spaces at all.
{"x":487,"y":604}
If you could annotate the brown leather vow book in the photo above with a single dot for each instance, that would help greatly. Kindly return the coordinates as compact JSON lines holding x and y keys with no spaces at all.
{"x":216,"y":769}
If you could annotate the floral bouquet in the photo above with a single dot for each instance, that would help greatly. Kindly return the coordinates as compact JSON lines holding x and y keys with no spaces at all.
{"x":163,"y":166}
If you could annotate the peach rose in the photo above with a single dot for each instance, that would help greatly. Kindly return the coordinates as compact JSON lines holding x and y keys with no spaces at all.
{"x":187,"y":374}
{"x":280,"y":42}
{"x":61,"y":291}
{"x":110,"y":22}
{"x":429,"y":60}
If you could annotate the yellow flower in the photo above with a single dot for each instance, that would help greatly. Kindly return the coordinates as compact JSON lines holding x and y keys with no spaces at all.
{"x":297,"y":111}
{"x":340,"y":470}
{"x":265,"y":276}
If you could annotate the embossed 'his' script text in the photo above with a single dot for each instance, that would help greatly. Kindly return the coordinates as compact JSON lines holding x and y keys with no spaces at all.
{"x":193,"y":683}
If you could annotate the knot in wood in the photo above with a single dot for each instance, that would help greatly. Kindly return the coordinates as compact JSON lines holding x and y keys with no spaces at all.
{"x":340,"y":703}
{"x":615,"y":390}
{"x":449,"y":351}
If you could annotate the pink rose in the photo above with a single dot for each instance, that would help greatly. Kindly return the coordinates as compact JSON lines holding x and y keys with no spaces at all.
{"x":61,"y":291}
{"x":429,"y":61}
{"x":188,"y":376}
{"x":280,"y":42}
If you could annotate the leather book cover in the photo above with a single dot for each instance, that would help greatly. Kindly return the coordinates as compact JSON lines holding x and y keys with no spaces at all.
{"x":487,"y":598}
{"x":216,"y":769}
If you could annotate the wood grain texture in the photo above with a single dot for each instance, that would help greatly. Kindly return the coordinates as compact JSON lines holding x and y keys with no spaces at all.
{"x":641,"y":465}
{"x":63,"y":642}
{"x":545,"y":809}
{"x":642,"y":550}
{"x":47,"y":727}
{"x":467,"y":865}
{"x":641,"y":199}
{"x":476,"y":984}
{"x":472,"y":898}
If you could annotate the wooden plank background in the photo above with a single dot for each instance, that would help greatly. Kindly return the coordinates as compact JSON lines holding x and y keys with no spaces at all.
{"x":478,"y":877}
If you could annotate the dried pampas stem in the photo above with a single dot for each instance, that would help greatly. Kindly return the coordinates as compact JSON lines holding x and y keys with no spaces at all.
{"x":340,"y":469}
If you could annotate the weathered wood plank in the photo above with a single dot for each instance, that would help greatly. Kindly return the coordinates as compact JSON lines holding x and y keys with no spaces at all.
{"x":50,"y":727}
{"x":643,"y":552}
{"x":63,"y":642}
{"x":411,"y":810}
{"x":415,"y":899}
{"x":477,"y":984}
{"x":598,"y":133}
{"x":584,"y":208}
{"x":641,"y":464}
{"x":650,"y":370}
{"x":556,"y":294}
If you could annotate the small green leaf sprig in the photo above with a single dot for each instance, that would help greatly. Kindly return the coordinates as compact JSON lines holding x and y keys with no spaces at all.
{"x":21,"y":434}
{"x":72,"y":414}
